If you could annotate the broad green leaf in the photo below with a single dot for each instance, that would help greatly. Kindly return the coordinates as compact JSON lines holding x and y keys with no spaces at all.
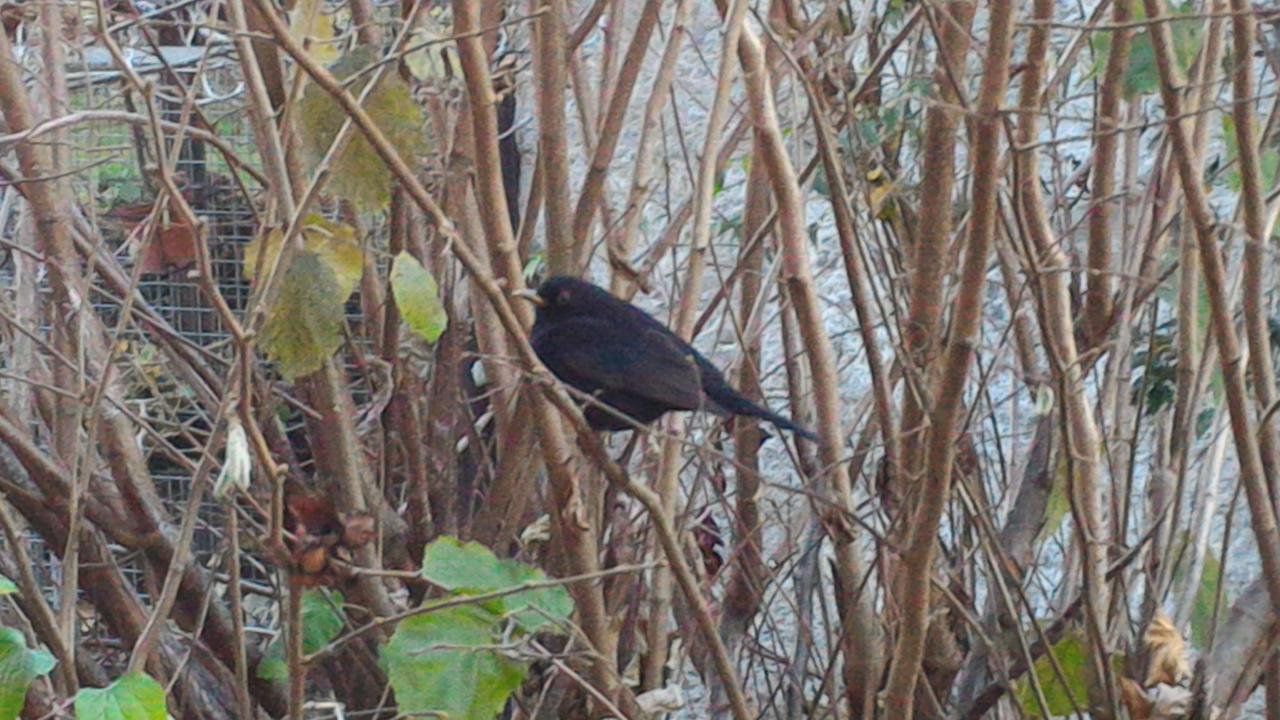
{"x":472,"y":569}
{"x":441,"y":663}
{"x":132,"y":697}
{"x":358,"y":174}
{"x":333,"y":242}
{"x":304,"y":326}
{"x":322,"y":621}
{"x":417,"y":297}
{"x":19,"y":665}
{"x":7,"y":587}
{"x":1072,"y":653}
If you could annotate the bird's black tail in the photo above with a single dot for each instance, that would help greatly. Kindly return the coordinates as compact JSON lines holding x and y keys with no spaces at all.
{"x":784,"y":423}
{"x":736,"y":404}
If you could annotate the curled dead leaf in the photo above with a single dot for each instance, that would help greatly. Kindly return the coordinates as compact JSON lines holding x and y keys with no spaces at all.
{"x":1168,"y":653}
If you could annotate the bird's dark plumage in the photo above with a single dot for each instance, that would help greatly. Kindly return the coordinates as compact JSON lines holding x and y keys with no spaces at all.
{"x":613,"y":350}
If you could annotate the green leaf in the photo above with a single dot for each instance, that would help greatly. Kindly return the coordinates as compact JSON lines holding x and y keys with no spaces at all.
{"x":304,"y":326}
{"x":322,"y":620}
{"x":440,"y":663}
{"x":19,"y":665}
{"x":417,"y":297}
{"x":532,"y":267}
{"x":358,"y":174}
{"x":472,"y":569}
{"x":1142,"y":77}
{"x":1072,"y":653}
{"x":7,"y":587}
{"x":132,"y":697}
{"x":1206,"y":597}
{"x":333,"y":242}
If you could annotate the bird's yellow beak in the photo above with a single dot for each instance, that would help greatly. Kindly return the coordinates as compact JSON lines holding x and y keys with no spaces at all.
{"x":530,"y":295}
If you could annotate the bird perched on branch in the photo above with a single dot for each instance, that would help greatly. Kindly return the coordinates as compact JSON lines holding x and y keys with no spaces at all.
{"x":629,"y":361}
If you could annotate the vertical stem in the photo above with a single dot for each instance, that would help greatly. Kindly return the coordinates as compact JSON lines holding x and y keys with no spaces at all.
{"x":668,"y":482}
{"x":553,"y":153}
{"x":48,"y":206}
{"x":1256,"y":256}
{"x":1081,"y":446}
{"x":622,"y":241}
{"x":615,"y":113}
{"x":1261,"y":507}
{"x":1097,"y":310}
{"x":860,"y":638}
{"x":234,"y":596}
{"x":928,"y":264}
{"x":948,"y":395}
{"x":293,"y":650}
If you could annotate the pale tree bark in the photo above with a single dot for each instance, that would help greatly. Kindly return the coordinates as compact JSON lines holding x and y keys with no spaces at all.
{"x":914,"y":591}
{"x":748,"y":574}
{"x":1192,"y":362}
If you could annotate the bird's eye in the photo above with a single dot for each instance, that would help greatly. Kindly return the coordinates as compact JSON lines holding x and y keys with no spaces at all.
{"x":563,"y":297}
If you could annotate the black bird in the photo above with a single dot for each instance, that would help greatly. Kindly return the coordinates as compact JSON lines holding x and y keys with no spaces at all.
{"x":613,"y":350}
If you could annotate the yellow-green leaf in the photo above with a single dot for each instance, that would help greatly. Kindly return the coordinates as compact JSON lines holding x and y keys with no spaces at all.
{"x":270,"y":243}
{"x":358,"y":174}
{"x":333,"y":242}
{"x":309,"y":23}
{"x":304,"y":326}
{"x":1072,"y":653}
{"x":417,"y":297}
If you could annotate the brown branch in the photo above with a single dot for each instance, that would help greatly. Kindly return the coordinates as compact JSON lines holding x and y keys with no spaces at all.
{"x":1081,"y":446}
{"x":611,"y":130}
{"x":948,"y":394}
{"x":1252,"y":476}
{"x":860,"y":641}
{"x":1097,"y":309}
{"x":667,"y":484}
{"x":1261,"y":368}
{"x":553,"y":153}
{"x":622,"y":241}
{"x":927,"y":262}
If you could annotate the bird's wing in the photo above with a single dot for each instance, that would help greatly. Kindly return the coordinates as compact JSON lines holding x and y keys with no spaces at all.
{"x":595,"y":355}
